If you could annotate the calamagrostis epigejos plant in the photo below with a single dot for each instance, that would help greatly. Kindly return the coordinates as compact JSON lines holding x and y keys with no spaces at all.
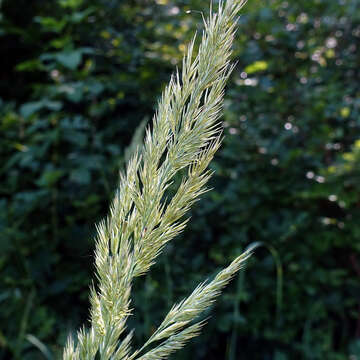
{"x":185,"y":134}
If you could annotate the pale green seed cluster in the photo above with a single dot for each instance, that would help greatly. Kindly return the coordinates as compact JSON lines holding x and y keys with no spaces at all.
{"x":185,"y":134}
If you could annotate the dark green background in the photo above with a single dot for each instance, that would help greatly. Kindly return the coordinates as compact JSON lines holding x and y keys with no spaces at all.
{"x":77,"y":77}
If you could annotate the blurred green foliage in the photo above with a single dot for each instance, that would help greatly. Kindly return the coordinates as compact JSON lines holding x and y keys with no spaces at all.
{"x":76,"y":80}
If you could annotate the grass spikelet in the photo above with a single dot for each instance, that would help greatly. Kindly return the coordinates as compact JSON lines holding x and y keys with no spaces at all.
{"x":185,"y":135}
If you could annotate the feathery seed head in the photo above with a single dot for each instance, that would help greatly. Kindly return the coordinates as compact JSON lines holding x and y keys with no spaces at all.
{"x":185,"y":134}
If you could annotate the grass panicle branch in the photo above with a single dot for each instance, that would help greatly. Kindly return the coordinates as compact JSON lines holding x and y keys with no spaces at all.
{"x":185,"y":134}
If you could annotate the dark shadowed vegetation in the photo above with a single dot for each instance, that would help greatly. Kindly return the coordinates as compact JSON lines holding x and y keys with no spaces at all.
{"x":78,"y":77}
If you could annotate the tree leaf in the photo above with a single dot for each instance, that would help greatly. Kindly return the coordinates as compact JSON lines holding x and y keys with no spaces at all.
{"x":70,"y":59}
